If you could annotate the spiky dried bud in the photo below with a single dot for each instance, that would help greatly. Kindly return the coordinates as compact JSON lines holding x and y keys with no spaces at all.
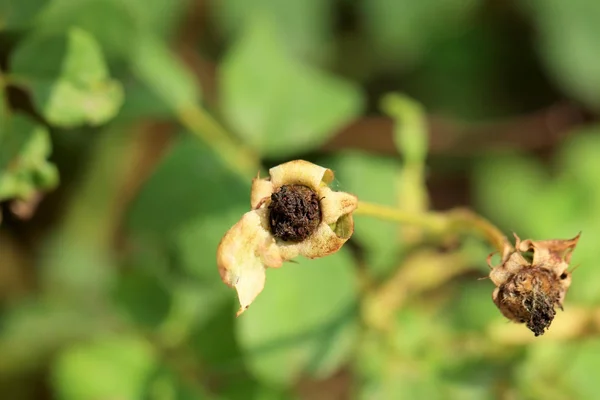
{"x":530,"y":288}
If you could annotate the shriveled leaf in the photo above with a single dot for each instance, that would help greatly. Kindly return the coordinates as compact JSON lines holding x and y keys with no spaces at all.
{"x":304,"y":322}
{"x":281,"y":107}
{"x":68,"y":78}
{"x":24,"y":168}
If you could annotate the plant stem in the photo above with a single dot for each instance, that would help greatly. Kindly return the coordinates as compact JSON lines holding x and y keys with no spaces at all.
{"x":383,"y":301}
{"x":203,"y":125}
{"x":452,"y":221}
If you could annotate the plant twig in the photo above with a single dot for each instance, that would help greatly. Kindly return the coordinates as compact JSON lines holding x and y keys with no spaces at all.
{"x":203,"y":125}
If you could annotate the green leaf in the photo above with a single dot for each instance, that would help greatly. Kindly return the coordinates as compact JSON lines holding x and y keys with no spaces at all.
{"x":406,"y":367}
{"x":204,"y":200}
{"x":361,"y":174}
{"x":158,"y":68}
{"x":129,"y":19}
{"x":568,"y":33}
{"x":68,"y":78}
{"x":24,"y":169}
{"x":19,"y":14}
{"x":410,"y":128}
{"x":143,"y":297}
{"x":108,"y":367}
{"x":556,"y":370}
{"x":304,"y":26}
{"x":304,"y":321}
{"x":278,"y":105}
{"x":402,"y":31}
{"x":20,"y":346}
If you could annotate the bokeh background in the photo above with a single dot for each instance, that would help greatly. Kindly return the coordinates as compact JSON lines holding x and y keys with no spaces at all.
{"x":130,"y":130}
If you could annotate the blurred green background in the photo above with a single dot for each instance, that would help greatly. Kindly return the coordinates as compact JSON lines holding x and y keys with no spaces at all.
{"x":130,"y":129}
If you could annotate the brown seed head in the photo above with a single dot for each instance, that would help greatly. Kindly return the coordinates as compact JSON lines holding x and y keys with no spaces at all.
{"x":294,"y":213}
{"x":529,"y":289}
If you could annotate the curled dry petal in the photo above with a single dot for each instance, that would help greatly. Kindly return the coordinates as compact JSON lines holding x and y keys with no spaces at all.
{"x":300,"y":172}
{"x":243,"y":254}
{"x":250,"y":246}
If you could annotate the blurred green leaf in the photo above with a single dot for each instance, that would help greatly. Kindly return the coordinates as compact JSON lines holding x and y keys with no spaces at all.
{"x":403,"y":30}
{"x":68,"y":78}
{"x":361,"y":174}
{"x":304,"y":322}
{"x":190,"y":184}
{"x":518,"y":193}
{"x":157,"y":67}
{"x":278,"y":105}
{"x":111,"y":21}
{"x":145,"y":299}
{"x":470,"y":311}
{"x":24,"y":149}
{"x":141,"y":101}
{"x":555,"y":370}
{"x":108,"y":367}
{"x":410,"y":129}
{"x":19,"y":14}
{"x":568,"y":33}
{"x":303,"y":25}
{"x":21,"y":346}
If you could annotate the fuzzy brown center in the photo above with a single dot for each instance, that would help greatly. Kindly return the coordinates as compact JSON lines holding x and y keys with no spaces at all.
{"x":294,"y":213}
{"x":531,"y":296}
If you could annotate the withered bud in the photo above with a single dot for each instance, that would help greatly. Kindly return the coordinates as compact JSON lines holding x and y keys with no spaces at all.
{"x":530,"y":288}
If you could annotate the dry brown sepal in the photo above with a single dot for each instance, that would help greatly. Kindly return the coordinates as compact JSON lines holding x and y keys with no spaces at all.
{"x":251,"y":246}
{"x":532,"y":280}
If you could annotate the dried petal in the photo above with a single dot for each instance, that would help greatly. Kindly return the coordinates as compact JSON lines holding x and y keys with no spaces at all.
{"x":323,"y":242}
{"x":243,"y":255}
{"x":261,"y":190}
{"x":336,"y":204}
{"x":300,"y":172}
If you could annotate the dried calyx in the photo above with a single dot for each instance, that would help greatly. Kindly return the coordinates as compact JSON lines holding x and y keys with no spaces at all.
{"x":529,"y":289}
{"x":293,"y":213}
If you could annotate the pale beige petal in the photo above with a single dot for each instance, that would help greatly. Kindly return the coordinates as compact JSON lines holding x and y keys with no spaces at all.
{"x":261,"y":189}
{"x":300,"y":172}
{"x":335,"y":204}
{"x":326,"y":240}
{"x":243,"y":255}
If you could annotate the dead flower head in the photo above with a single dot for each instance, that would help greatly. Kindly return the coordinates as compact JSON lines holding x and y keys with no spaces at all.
{"x":532,"y":280}
{"x":294,"y":212}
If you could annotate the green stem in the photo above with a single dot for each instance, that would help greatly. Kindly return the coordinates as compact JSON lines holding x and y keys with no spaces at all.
{"x":383,"y":301}
{"x":452,"y":221}
{"x":203,"y":125}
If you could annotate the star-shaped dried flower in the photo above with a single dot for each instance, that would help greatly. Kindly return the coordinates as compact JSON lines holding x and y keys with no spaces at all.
{"x":294,"y":212}
{"x":532,"y":280}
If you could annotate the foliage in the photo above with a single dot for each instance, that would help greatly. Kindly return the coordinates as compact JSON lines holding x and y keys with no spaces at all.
{"x":137,"y":126}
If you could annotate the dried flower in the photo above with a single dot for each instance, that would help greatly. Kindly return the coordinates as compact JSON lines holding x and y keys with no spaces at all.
{"x":294,"y":212}
{"x":529,"y":288}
